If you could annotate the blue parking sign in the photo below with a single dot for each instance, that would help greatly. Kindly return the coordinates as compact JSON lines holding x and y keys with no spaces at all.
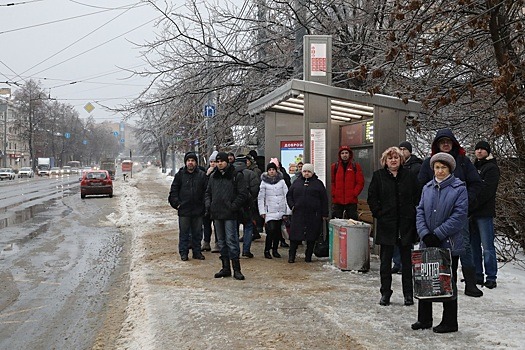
{"x":67,"y":135}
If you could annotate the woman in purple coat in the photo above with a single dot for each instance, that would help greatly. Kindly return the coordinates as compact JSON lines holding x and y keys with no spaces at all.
{"x":308,"y":200}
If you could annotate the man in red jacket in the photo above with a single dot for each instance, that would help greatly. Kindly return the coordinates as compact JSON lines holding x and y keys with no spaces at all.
{"x":347,"y":183}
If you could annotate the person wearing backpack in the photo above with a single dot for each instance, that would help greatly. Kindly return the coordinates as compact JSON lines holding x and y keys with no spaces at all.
{"x":247,"y":210}
{"x":225,"y":195}
{"x":446,"y":142}
{"x":347,"y":183}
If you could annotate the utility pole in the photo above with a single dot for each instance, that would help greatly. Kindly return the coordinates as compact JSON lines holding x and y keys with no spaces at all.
{"x":3,"y":108}
{"x":300,"y":32}
{"x":210,"y":108}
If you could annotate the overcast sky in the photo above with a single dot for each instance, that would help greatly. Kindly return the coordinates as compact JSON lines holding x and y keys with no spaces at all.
{"x":76,"y":49}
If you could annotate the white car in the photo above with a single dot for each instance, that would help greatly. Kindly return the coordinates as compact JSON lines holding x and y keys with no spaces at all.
{"x":55,"y":171}
{"x":7,"y":173}
{"x":26,"y":172}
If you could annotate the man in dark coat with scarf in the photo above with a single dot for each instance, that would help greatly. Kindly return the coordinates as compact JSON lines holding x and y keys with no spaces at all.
{"x":308,"y":201}
{"x":225,"y":195}
{"x":187,"y":196}
{"x":445,"y":141}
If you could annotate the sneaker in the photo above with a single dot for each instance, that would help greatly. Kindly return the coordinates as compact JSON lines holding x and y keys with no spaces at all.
{"x":491,"y":284}
{"x":248,"y":255}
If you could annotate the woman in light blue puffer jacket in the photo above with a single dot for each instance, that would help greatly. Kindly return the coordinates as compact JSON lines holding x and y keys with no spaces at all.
{"x":440,"y":217}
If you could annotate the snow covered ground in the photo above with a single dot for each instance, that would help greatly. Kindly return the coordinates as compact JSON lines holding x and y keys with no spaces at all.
{"x":179,"y":305}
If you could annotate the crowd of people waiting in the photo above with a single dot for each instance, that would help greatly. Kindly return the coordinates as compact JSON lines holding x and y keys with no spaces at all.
{"x":443,"y":201}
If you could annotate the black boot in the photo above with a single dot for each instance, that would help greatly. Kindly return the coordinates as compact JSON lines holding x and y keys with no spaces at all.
{"x":424,"y":316}
{"x":225,"y":271}
{"x":292,"y":251}
{"x":275,"y":253}
{"x":309,"y":251}
{"x":385,"y":298}
{"x":409,"y":299}
{"x":237,"y":269}
{"x":267,"y":254}
{"x":449,"y":323}
{"x":469,"y":274}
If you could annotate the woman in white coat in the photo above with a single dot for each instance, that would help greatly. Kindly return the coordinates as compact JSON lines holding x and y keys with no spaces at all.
{"x":272,"y":207}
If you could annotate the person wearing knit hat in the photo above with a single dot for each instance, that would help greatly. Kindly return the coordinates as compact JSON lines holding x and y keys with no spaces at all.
{"x":213,"y":157}
{"x":444,"y":158}
{"x":445,"y":141}
{"x":347,"y":180}
{"x":412,"y":162}
{"x":206,"y":221}
{"x":308,"y":167}
{"x":483,"y":145}
{"x":440,"y":220}
{"x":482,"y":218}
{"x":191,"y":155}
{"x":226,"y":192}
{"x":271,"y":165}
{"x":247,"y":209}
{"x":189,"y":203}
{"x":231,"y":157}
{"x":272,"y":207}
{"x":308,"y":199}
{"x":221,"y":157}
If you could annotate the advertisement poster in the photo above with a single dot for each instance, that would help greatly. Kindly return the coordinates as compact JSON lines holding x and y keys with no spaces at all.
{"x":318,"y":59}
{"x":318,"y":152}
{"x":291,"y":154}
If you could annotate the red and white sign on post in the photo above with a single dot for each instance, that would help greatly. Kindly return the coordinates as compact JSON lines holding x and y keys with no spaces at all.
{"x":318,"y":59}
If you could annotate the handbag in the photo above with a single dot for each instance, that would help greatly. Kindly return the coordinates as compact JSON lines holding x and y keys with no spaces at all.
{"x":322,"y":246}
{"x":432,"y":274}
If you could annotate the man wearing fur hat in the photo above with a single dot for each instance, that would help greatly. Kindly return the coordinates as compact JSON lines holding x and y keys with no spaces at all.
{"x":482,"y":218}
{"x":445,"y":141}
{"x":187,"y":196}
{"x":347,"y":183}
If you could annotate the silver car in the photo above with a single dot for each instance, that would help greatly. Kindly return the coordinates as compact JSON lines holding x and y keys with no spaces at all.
{"x":7,"y":173}
{"x":26,"y":172}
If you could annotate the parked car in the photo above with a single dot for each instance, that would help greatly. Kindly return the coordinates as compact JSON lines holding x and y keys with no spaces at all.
{"x":26,"y":172}
{"x":7,"y":173}
{"x":96,"y":182}
{"x":55,"y":171}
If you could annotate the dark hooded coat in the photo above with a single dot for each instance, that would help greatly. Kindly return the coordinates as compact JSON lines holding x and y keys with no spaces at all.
{"x":465,"y":170}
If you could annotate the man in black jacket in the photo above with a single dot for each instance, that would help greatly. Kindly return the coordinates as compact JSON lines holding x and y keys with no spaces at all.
{"x":187,"y":196}
{"x":225,"y":195}
{"x":482,"y":217}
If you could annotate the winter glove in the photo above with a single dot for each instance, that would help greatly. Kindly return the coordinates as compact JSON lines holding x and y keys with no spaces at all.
{"x":431,"y":240}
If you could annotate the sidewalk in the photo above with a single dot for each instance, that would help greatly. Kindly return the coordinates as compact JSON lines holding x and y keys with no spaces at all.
{"x":179,"y":305}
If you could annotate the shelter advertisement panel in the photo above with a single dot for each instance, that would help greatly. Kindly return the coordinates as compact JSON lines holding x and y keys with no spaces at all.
{"x":292,"y":152}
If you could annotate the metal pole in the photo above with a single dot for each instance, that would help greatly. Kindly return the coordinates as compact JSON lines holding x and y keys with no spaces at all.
{"x":4,"y":148}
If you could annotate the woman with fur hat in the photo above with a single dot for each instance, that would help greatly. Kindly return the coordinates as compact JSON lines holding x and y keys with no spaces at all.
{"x":272,"y":207}
{"x":308,"y":200}
{"x":440,"y":218}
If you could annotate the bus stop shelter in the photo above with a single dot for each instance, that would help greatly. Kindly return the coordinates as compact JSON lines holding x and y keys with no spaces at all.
{"x":321,"y":118}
